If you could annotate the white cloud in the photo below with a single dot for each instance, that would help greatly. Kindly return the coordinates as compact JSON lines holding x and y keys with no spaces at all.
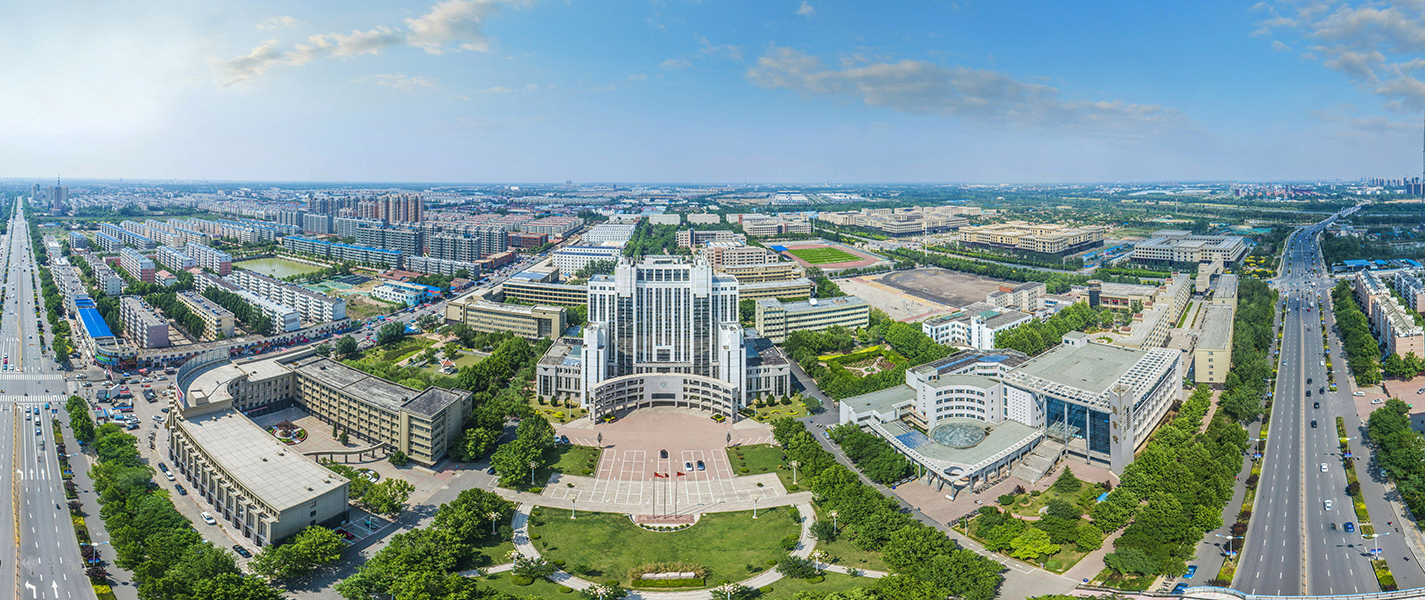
{"x":1367,"y":128}
{"x":399,"y":81}
{"x":278,"y":22}
{"x":499,"y":89}
{"x":724,"y":50}
{"x":675,"y":64}
{"x":450,"y":26}
{"x":921,"y":87}
{"x":1374,"y":44}
{"x":1278,"y":46}
{"x":806,"y":9}
{"x":637,"y":77}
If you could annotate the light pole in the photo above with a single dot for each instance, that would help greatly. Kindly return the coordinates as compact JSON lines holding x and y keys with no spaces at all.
{"x":494,"y":516}
{"x":532,"y":465}
{"x":754,"y":507}
{"x":1230,"y":552}
{"x":571,"y":507}
{"x":1376,"y":537}
{"x":727,"y":589}
{"x":833,"y":521}
{"x":794,"y":464}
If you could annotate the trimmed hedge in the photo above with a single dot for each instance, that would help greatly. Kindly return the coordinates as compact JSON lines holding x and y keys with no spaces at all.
{"x":670,"y":583}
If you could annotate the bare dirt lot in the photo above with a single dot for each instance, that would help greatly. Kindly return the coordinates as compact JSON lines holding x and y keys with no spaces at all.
{"x":943,"y":286}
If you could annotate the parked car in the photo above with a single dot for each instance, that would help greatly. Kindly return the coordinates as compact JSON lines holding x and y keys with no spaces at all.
{"x":1358,"y":393}
{"x":241,"y":551}
{"x":208,"y":518}
{"x":181,"y":491}
{"x":687,"y":466}
{"x":1192,"y":570}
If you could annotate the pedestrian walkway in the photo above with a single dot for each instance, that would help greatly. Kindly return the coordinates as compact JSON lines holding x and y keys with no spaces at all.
{"x":121,"y":580}
{"x":804,"y":548}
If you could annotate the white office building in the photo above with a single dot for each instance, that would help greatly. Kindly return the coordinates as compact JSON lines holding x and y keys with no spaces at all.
{"x":312,"y":306}
{"x":571,"y":259}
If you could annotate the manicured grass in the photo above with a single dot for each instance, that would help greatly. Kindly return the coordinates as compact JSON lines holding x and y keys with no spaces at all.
{"x":770,"y":413}
{"x":394,"y":352}
{"x":465,"y":359}
{"x":725,"y":543}
{"x":823,"y":256}
{"x":1109,"y":578}
{"x":846,"y":554}
{"x":497,"y":554}
{"x":762,"y":458}
{"x":573,"y":460}
{"x":1067,"y":556}
{"x":787,"y":589}
{"x":541,"y":588}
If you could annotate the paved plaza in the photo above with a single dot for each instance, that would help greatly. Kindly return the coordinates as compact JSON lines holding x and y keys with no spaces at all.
{"x":633,"y":475}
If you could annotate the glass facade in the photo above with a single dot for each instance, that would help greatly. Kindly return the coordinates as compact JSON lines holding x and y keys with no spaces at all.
{"x":1083,"y":421}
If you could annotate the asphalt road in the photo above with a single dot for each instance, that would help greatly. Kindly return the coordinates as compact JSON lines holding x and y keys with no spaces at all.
{"x":1296,"y":545}
{"x":44,"y":562}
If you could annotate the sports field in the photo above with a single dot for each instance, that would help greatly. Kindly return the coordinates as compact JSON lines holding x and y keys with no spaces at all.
{"x":823,"y":256}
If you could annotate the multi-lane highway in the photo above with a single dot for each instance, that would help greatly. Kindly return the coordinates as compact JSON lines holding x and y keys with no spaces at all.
{"x":1297,"y":542}
{"x":44,"y":561}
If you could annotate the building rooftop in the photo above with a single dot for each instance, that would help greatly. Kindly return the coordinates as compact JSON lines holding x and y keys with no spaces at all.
{"x":433,"y":400}
{"x":374,"y":390}
{"x":272,"y":472}
{"x":566,"y":351}
{"x":965,"y":359}
{"x":815,"y":303}
{"x":94,"y":323}
{"x":1216,"y":328}
{"x":881,"y":401}
{"x":1226,"y":287}
{"x":1000,"y":440}
{"x":1092,"y":367}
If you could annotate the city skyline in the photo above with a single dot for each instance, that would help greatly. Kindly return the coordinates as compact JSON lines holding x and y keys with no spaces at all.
{"x":795,"y":91}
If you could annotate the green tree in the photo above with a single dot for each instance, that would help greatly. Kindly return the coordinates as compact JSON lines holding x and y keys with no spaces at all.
{"x":391,"y":333}
{"x":910,"y":547}
{"x":346,"y":346}
{"x":795,"y":567}
{"x":1090,"y":538}
{"x":1067,"y":483}
{"x":1032,"y":544}
{"x":398,"y":458}
{"x":1131,"y":560}
{"x":468,"y":516}
{"x":389,"y":496}
{"x":1061,"y":509}
{"x":232,"y":586}
{"x":964,"y":574}
{"x":299,"y":555}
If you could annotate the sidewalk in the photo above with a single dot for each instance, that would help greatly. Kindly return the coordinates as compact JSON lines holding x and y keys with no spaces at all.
{"x":121,"y":580}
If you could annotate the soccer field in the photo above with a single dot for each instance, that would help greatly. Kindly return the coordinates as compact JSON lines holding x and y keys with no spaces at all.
{"x":824,"y":256}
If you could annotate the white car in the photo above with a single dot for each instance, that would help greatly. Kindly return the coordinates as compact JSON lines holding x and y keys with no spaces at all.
{"x":1377,"y":401}
{"x":207,"y":518}
{"x":1323,"y":470}
{"x":1328,"y":505}
{"x":1323,"y":363}
{"x":1358,"y":393}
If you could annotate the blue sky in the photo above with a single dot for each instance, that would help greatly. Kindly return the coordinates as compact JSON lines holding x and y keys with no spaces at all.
{"x":783,"y":91}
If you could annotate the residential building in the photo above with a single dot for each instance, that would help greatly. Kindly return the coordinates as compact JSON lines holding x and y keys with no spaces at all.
{"x":1173,"y":247}
{"x":776,"y":319}
{"x":139,"y":266}
{"x":526,"y":241}
{"x":609,"y":233}
{"x":1212,"y":354}
{"x":1410,"y":288}
{"x":455,"y":247}
{"x":217,"y":321}
{"x":440,"y":266}
{"x":174,"y":258}
{"x":314,"y":307}
{"x":1045,"y":238}
{"x":404,"y":240}
{"x":283,"y":317}
{"x":108,"y":242}
{"x":216,"y":261}
{"x":109,"y":281}
{"x":1390,"y":321}
{"x":553,"y":226}
{"x":78,"y":241}
{"x":147,"y":328}
{"x":573,"y":258}
{"x":317,"y":223}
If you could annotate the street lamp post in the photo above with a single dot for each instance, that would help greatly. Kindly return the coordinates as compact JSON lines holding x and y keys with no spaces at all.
{"x":1229,"y":538}
{"x":833,"y":521}
{"x":571,"y":507}
{"x":1377,"y":539}
{"x":494,"y":516}
{"x":794,"y":464}
{"x":727,"y":589}
{"x":532,"y":465}
{"x":754,"y":507}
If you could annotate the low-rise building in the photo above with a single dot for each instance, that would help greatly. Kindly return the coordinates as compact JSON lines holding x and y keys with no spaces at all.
{"x":533,"y":290}
{"x":408,"y":294}
{"x":1212,"y":354}
{"x":284,"y":318}
{"x":483,"y":314}
{"x":766,"y":272}
{"x":1390,"y":321}
{"x":690,"y":238}
{"x":573,"y":258}
{"x":784,"y":290}
{"x":217,"y":321}
{"x":609,"y":233}
{"x":1041,"y":238}
{"x":1026,"y":297}
{"x":776,"y":319}
{"x":1174,"y":247}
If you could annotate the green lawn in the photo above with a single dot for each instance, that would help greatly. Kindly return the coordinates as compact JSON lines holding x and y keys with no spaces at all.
{"x":399,"y":350}
{"x":570,"y":459}
{"x":846,"y":554}
{"x":823,"y":256}
{"x":541,"y":588}
{"x":761,"y":458}
{"x":609,"y":544}
{"x":465,"y":359}
{"x":786,"y":589}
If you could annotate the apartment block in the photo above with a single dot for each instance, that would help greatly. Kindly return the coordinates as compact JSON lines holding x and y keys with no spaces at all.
{"x":553,"y":226}
{"x":689,"y":238}
{"x":138,"y":265}
{"x":314,"y":307}
{"x":109,"y":281}
{"x":1391,"y":321}
{"x":174,"y":258}
{"x":440,"y":266}
{"x":78,"y":241}
{"x":145,"y":326}
{"x":283,"y":317}
{"x":571,"y":259}
{"x":456,"y":247}
{"x":208,"y":258}
{"x":1411,"y":289}
{"x":218,"y":321}
{"x":1212,"y":354}
{"x":108,"y":242}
